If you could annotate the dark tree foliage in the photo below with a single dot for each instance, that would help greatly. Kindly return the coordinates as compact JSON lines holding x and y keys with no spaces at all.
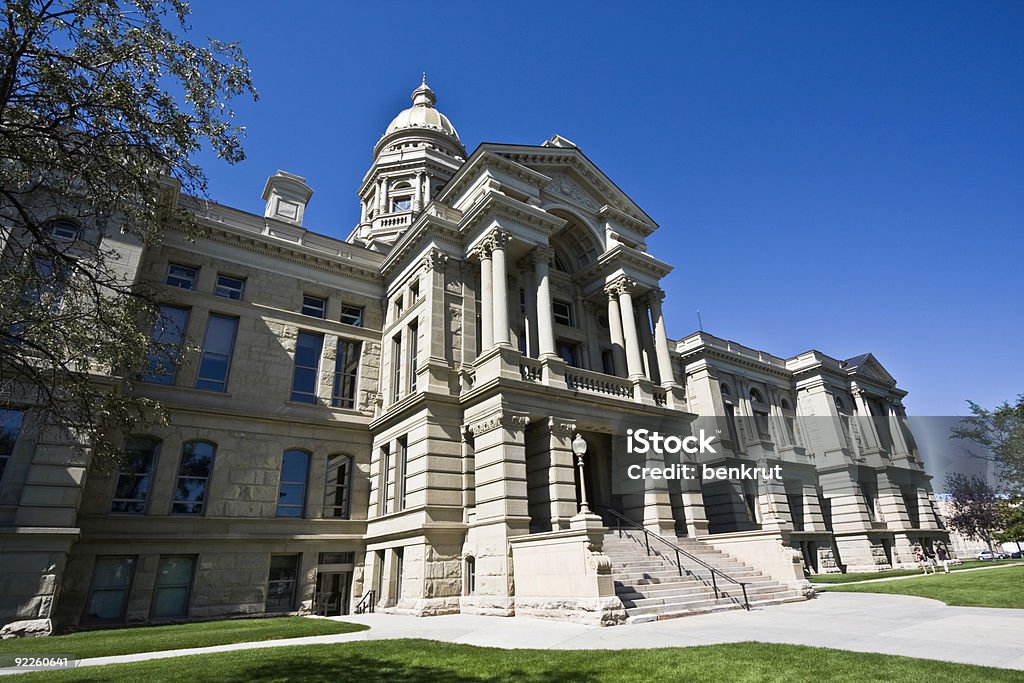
{"x":1000,"y":434}
{"x":974,"y":507}
{"x":103,"y":108}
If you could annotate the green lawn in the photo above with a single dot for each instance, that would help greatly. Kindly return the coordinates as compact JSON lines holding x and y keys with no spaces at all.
{"x":996,"y":588}
{"x":123,"y":641}
{"x":864,"y":576}
{"x":413,"y":661}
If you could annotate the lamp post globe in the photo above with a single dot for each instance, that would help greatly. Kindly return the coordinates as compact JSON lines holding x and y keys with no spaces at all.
{"x":579,"y":447}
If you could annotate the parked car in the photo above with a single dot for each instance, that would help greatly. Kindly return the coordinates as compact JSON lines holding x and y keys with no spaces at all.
{"x":989,"y":555}
{"x":1016,"y":555}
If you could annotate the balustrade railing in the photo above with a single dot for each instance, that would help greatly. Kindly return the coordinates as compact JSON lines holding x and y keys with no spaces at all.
{"x":598,"y":383}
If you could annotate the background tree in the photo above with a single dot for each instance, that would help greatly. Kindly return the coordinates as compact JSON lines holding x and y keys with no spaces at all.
{"x":974,"y":507}
{"x":104,"y":105}
{"x":1011,"y":514}
{"x":999,"y":435}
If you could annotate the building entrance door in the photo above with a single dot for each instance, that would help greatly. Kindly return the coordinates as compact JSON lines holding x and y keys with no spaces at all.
{"x":333,"y":593}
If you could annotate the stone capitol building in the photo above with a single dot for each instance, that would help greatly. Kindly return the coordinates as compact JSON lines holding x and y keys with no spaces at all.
{"x":388,"y":421}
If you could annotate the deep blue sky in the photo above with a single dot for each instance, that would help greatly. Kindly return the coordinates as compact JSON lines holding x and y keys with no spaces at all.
{"x":845,"y":176}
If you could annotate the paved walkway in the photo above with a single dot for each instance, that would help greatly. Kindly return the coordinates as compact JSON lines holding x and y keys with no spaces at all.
{"x":862,"y":622}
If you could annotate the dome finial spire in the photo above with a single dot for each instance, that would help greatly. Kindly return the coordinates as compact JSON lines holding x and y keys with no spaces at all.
{"x":423,"y":96}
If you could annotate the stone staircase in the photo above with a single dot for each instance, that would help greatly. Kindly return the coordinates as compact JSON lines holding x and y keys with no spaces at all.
{"x":651,"y":588}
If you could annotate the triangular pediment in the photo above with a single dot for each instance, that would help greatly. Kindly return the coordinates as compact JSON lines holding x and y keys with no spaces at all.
{"x":576,"y":179}
{"x":867,"y":366}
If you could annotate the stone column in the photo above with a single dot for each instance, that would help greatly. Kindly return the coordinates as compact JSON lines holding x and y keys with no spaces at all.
{"x":544,"y":324}
{"x":615,"y":330}
{"x":661,"y":338}
{"x":486,"y":299}
{"x":647,"y":342}
{"x":634,"y":364}
{"x":417,"y":192}
{"x":381,"y":201}
{"x":499,"y":240}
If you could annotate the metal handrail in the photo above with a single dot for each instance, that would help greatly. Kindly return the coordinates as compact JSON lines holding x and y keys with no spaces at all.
{"x":715,"y":572}
{"x":365,"y":603}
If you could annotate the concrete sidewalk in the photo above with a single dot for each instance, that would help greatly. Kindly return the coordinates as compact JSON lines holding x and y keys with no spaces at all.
{"x":862,"y":622}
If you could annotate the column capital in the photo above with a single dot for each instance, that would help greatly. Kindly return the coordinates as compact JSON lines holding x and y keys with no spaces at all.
{"x":480,"y":252}
{"x":619,"y":286}
{"x":542,"y":254}
{"x":497,"y":238}
{"x":654,"y":297}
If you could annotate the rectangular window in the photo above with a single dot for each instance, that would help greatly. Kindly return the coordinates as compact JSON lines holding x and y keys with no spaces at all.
{"x":384,"y":486}
{"x":563,"y":313}
{"x":568,"y":352}
{"x":868,"y":491}
{"x":399,"y":307}
{"x":352,"y":315}
{"x":193,"y":477}
{"x":413,"y":353}
{"x":167,"y":337}
{"x":414,"y":291}
{"x":336,"y":489}
{"x":111,"y":580}
{"x":229,"y":287}
{"x":401,"y":204}
{"x":314,"y":307}
{"x":796,"y":510}
{"x":182,"y":276}
{"x":761,"y":422}
{"x":399,"y":570}
{"x":173,"y":586}
{"x":401,"y":475}
{"x":346,"y":373}
{"x":284,"y":572}
{"x":135,"y":476}
{"x":218,"y":345}
{"x":308,"y":349}
{"x":291,"y":497}
{"x":10,"y":427}
{"x":608,"y":361}
{"x":396,"y":367}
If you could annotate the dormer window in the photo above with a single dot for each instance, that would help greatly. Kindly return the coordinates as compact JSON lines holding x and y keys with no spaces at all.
{"x":63,"y":230}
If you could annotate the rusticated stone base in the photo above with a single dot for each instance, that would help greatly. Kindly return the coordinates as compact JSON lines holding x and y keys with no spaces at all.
{"x":488,"y":605}
{"x":426,"y":607}
{"x":592,"y":611}
{"x":29,"y":628}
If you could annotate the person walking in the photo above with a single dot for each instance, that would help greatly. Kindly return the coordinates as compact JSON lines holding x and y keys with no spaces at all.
{"x":943,"y":555}
{"x":919,"y":557}
{"x":929,"y":554}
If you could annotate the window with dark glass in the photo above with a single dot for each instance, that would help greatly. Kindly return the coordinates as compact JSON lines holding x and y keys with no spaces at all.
{"x":396,"y":367}
{"x":413,"y":353}
{"x":193,"y":477}
{"x":346,"y":373}
{"x":218,"y":345}
{"x":135,"y":475}
{"x":608,"y":361}
{"x":384,"y":487}
{"x":337,"y":486}
{"x":314,"y":307}
{"x":470,"y":575}
{"x":563,"y":313}
{"x":352,"y":315}
{"x":10,"y":427}
{"x":166,"y":337}
{"x":108,"y":594}
{"x":868,"y":491}
{"x":181,"y":276}
{"x":308,"y":349}
{"x":414,"y":290}
{"x":284,"y":570}
{"x":63,"y":230}
{"x":173,"y":585}
{"x":291,"y":497}
{"x":569,"y":353}
{"x":402,"y":475}
{"x":229,"y":287}
{"x":761,"y":421}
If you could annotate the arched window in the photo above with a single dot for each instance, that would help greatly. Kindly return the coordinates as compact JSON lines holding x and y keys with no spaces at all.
{"x":756,"y":397}
{"x":193,"y":477}
{"x":291,"y":497}
{"x":785,"y":404}
{"x":726,"y":390}
{"x":337,"y":487}
{"x":840,"y":406}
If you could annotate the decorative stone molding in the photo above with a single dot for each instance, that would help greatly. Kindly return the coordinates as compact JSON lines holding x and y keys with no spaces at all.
{"x":619,"y":286}
{"x":509,"y":421}
{"x":498,"y":239}
{"x":561,"y":427}
{"x":567,"y":187}
{"x":435,"y":259}
{"x":541,"y":254}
